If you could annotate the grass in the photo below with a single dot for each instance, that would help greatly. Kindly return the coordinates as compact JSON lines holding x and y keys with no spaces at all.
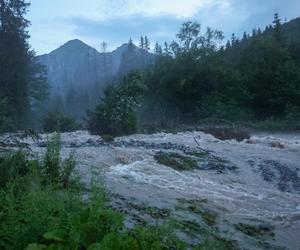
{"x":44,"y":207}
{"x":176,"y":161}
{"x":108,"y":138}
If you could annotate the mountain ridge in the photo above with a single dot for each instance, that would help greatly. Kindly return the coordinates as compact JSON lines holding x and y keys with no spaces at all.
{"x":75,"y":68}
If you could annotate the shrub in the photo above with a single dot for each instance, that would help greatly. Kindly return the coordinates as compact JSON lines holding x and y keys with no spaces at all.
{"x":58,"y":122}
{"x":12,"y":167}
{"x":176,"y":161}
{"x":227,"y":133}
{"x":116,"y":113}
{"x":54,"y":170}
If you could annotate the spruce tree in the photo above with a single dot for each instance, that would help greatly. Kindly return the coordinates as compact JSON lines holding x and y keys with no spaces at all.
{"x":22,"y":80}
{"x":166,"y":49}
{"x":277,"y":28}
{"x":157,"y":49}
{"x":130,"y":43}
{"x":146,"y":43}
{"x":142,"y":43}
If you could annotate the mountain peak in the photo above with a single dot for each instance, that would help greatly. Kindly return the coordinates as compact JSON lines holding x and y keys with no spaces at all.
{"x":76,"y":44}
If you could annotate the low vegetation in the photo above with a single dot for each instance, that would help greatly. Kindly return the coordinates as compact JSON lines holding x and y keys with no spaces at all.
{"x":44,"y":207}
{"x":58,"y":122}
{"x":176,"y":161}
{"x":227,"y":133}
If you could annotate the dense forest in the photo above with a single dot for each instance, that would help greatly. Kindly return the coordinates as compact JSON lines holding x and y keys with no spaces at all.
{"x":188,"y":190}
{"x":253,"y":79}
{"x":198,"y":76}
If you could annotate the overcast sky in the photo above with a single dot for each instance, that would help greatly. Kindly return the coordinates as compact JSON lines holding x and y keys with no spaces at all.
{"x":54,"y":22}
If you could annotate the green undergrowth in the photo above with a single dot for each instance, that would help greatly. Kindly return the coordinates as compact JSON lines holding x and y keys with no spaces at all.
{"x":194,"y":160}
{"x":176,"y":161}
{"x":44,"y":207}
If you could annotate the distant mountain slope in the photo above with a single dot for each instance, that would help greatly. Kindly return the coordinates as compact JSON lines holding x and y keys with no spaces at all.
{"x":77,"y":64}
{"x":76,"y":70}
{"x":291,"y":30}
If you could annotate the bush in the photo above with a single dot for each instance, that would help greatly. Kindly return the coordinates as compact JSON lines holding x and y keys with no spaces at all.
{"x":12,"y":167}
{"x":58,"y":122}
{"x":227,"y":133}
{"x":116,"y":113}
{"x":5,"y":122}
{"x":53,"y":169}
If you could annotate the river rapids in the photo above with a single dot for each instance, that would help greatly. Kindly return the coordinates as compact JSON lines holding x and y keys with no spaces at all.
{"x":250,"y":195}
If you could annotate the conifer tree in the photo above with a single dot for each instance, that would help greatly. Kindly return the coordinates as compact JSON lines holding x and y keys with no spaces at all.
{"x":146,"y":43}
{"x":130,"y":43}
{"x":22,"y":79}
{"x":142,"y":43}
{"x":277,"y":28}
{"x":158,"y":49}
{"x":166,"y":49}
{"x":234,"y":39}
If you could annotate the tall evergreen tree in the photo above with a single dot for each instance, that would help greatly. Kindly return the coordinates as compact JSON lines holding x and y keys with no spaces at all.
{"x":146,"y":43}
{"x":103,"y":47}
{"x":234,"y":39}
{"x":21,"y":78}
{"x":277,"y":28}
{"x":166,"y":49}
{"x":130,"y":43}
{"x":158,"y":49}
{"x":142,"y":43}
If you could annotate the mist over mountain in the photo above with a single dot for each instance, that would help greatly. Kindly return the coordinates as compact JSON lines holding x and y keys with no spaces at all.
{"x":77,"y":73}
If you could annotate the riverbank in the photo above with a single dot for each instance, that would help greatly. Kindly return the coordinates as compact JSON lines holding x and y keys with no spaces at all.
{"x":256,"y":203}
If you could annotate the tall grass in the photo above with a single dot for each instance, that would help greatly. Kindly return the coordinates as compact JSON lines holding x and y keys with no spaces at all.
{"x":42,"y":208}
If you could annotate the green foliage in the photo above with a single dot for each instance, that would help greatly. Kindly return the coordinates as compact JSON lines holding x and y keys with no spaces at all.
{"x":5,"y":122}
{"x":227,"y":133}
{"x":115,"y":115}
{"x":40,"y":215}
{"x":107,"y":138}
{"x":22,"y":79}
{"x":176,"y":161}
{"x":271,"y":77}
{"x":53,"y":169}
{"x":58,"y":122}
{"x":36,"y":214}
{"x":12,"y":167}
{"x":256,"y":78}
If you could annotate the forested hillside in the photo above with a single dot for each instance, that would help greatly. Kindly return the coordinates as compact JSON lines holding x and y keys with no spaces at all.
{"x":252,"y":79}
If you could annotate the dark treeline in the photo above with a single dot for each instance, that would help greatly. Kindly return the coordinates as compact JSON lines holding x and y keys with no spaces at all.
{"x":256,"y":78}
{"x":194,"y":78}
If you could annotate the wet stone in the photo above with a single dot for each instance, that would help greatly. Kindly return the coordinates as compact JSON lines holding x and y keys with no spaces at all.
{"x":286,"y":179}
